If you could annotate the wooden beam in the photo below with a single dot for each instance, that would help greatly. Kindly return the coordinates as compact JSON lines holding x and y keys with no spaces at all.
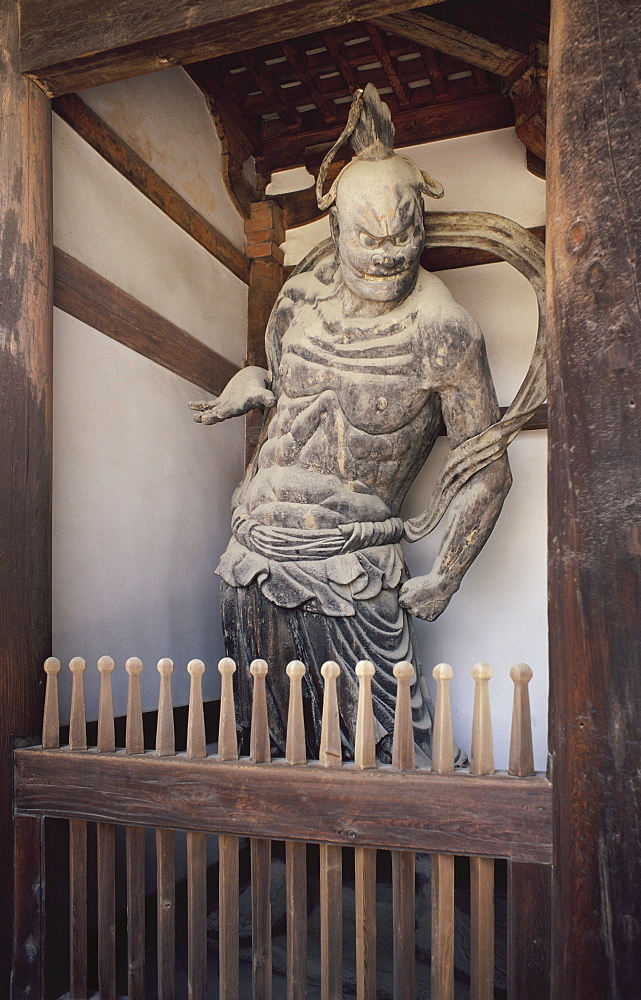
{"x":95,"y":301}
{"x":26,"y":420}
{"x":454,"y":41}
{"x":594,"y":379}
{"x":443,"y":120}
{"x":127,"y":162}
{"x":416,"y":811}
{"x":80,"y":45}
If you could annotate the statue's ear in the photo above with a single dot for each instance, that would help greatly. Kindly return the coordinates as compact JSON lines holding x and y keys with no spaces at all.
{"x":333,"y":223}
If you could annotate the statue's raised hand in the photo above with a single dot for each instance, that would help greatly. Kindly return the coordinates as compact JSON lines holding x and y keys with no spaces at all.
{"x":426,"y":597}
{"x":247,"y":390}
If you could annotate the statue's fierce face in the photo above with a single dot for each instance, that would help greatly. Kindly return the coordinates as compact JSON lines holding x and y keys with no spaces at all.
{"x":377,"y":225}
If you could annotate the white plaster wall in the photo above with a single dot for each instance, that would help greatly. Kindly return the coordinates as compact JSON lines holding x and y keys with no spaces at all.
{"x":499,"y":614}
{"x":141,"y":493}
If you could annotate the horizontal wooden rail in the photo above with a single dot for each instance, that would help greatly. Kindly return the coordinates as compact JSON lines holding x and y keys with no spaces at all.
{"x":490,"y":816}
{"x":100,"y":304}
{"x":73,"y":110}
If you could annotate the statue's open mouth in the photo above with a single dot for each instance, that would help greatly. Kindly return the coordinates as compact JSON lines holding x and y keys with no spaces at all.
{"x":397,"y":273}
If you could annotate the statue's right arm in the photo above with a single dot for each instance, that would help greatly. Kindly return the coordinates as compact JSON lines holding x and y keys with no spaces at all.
{"x":249,"y":389}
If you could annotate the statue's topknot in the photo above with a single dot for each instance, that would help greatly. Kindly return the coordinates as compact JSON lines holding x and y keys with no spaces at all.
{"x":370,"y":131}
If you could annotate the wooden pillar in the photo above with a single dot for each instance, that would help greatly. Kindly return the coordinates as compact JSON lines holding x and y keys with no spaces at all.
{"x":594,"y":247}
{"x":265,"y":232}
{"x":25,"y":419}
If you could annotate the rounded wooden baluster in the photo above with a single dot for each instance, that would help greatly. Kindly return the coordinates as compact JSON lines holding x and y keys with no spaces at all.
{"x":51,"y":717}
{"x":165,"y":740}
{"x":106,"y":734}
{"x":482,"y":756}
{"x":521,"y":750}
{"x":442,"y":739}
{"x":77,"y":722}
{"x":295,"y":751}
{"x":227,"y":739}
{"x":134,"y":736}
{"x":330,"y":744}
{"x":259,"y":749}
{"x":403,"y":756}
{"x":365,"y":743}
{"x":196,"y":742}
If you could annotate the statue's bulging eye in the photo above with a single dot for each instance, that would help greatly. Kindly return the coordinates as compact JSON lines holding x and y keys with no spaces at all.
{"x":403,"y":238}
{"x":367,"y":240}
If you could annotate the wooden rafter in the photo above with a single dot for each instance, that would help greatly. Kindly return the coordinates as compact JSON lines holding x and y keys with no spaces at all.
{"x":399,"y":88}
{"x":298,"y":62}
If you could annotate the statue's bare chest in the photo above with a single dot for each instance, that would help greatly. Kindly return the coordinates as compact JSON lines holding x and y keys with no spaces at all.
{"x":373,"y":369}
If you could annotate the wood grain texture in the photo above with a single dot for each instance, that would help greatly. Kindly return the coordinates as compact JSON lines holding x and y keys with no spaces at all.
{"x":166,"y":913}
{"x":135,"y":862}
{"x":261,"y":859}
{"x":415,"y":810}
{"x":452,"y":40}
{"x":594,"y":378}
{"x":25,"y":417}
{"x":296,"y":884}
{"x":331,"y":855}
{"x":228,"y":890}
{"x":78,"y":909}
{"x":106,"y":851}
{"x":100,"y":304}
{"x":365,"y":906}
{"x":529,"y":931}
{"x":521,"y":763}
{"x":50,"y":715}
{"x":76,"y":46}
{"x":83,"y":120}
{"x":442,"y":957}
{"x":27,"y":972}
{"x":197,"y":915}
{"x":482,"y":928}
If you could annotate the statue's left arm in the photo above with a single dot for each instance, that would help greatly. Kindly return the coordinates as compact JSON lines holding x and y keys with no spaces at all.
{"x":469,"y":405}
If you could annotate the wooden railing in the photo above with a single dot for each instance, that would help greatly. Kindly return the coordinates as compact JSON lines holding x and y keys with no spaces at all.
{"x":473,"y":812}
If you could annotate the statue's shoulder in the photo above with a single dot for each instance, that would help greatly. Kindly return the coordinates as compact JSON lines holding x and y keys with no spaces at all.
{"x":310,"y":285}
{"x":450,"y":336}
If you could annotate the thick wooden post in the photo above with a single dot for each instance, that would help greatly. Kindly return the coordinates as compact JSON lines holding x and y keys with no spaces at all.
{"x":594,"y":251}
{"x":265,"y":232}
{"x":25,"y":418}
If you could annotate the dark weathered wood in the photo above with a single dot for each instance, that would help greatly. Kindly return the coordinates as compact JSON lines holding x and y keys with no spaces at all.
{"x":127,"y":162}
{"x":95,"y":301}
{"x":416,"y":810}
{"x":594,"y":376}
{"x":296,"y":876}
{"x":25,"y":418}
{"x":106,"y":846}
{"x":228,"y":890}
{"x":78,"y":909}
{"x":529,"y":932}
{"x":454,"y":41}
{"x":77,"y":46}
{"x":439,"y":121}
{"x":135,"y":854}
{"x":482,"y":928}
{"x":261,"y":918}
{"x":197,"y":915}
{"x":27,"y":976}
{"x":166,"y":915}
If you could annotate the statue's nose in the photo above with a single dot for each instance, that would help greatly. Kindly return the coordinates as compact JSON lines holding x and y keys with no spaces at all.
{"x":387,"y":259}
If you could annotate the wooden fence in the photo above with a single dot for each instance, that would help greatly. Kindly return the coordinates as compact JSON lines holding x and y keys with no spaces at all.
{"x":473,"y":812}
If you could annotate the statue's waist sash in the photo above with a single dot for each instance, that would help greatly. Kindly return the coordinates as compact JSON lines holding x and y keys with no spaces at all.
{"x":325,"y":570}
{"x":286,"y":544}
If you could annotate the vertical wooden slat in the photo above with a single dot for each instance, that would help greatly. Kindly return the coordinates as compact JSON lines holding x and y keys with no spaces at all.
{"x":404,"y":862}
{"x":165,"y":843}
{"x":227,"y":848}
{"x":26,"y":319}
{"x":51,"y":718}
{"x":521,"y":750}
{"x":331,"y":856}
{"x":442,"y":971}
{"x":78,"y":847}
{"x":529,"y":942}
{"x":365,"y":857}
{"x":106,"y":847}
{"x":135,"y":846}
{"x":196,"y":849}
{"x":260,"y":849}
{"x":295,"y":852}
{"x":594,"y":379}
{"x":482,"y":869}
{"x":27,"y":976}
